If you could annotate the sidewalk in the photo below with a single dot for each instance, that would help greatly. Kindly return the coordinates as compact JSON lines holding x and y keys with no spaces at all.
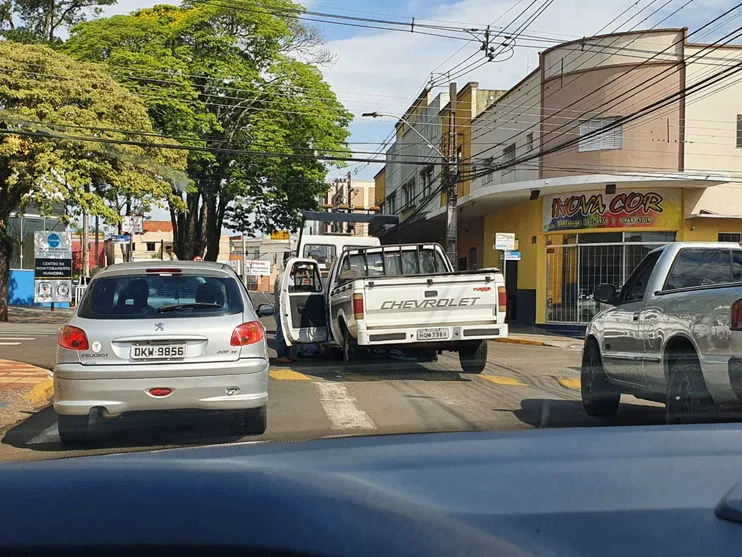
{"x":24,"y":389}
{"x":34,"y":314}
{"x":521,"y":334}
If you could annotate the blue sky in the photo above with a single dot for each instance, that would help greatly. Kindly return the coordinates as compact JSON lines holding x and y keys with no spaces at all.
{"x":386,"y":70}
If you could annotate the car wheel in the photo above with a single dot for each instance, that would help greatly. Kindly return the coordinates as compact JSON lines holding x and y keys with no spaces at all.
{"x":253,"y":421}
{"x":686,"y":395}
{"x":73,"y":430}
{"x":473,"y":356}
{"x":599,"y":397}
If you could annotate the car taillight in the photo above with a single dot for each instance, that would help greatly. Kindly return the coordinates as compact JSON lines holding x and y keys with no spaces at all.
{"x":247,"y":333}
{"x":735,"y":323}
{"x":358,"y":306}
{"x":73,"y":338}
{"x":502,"y":299}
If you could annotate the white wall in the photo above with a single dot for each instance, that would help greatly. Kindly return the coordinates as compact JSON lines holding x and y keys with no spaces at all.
{"x":509,"y":120}
{"x":711,"y":114}
{"x":410,"y":146}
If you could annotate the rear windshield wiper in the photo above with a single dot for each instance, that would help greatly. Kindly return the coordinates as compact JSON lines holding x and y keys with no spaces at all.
{"x":195,"y":305}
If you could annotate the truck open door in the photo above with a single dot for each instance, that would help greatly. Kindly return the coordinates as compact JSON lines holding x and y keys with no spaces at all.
{"x":303,"y":305}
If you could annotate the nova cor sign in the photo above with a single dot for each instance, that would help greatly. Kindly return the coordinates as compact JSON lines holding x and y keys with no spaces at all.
{"x":658,"y":209}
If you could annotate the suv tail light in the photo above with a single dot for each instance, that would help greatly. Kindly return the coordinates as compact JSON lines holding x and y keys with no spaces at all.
{"x":247,"y":333}
{"x":73,"y":338}
{"x":735,"y":323}
{"x":358,"y":306}
{"x":502,"y":299}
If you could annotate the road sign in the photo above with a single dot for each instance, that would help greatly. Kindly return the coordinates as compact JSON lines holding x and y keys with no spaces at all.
{"x":121,"y":239}
{"x":198,"y":258}
{"x":132,"y":224}
{"x":512,"y":255}
{"x":257,"y":267}
{"x":280,"y":235}
{"x":52,"y":267}
{"x":505,"y":241}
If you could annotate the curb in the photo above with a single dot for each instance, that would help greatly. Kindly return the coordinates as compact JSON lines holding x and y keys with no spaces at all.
{"x":510,"y":340}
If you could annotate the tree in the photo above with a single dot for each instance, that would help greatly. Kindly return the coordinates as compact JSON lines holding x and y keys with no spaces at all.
{"x":40,"y":20}
{"x":62,"y":124}
{"x":227,"y":76}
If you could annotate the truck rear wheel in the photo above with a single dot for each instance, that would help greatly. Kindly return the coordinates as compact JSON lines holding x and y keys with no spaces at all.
{"x":351,"y":351}
{"x":599,"y":397}
{"x":686,"y":397}
{"x":473,"y":356}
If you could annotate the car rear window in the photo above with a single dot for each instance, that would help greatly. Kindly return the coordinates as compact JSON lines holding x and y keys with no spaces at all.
{"x":150,"y":295}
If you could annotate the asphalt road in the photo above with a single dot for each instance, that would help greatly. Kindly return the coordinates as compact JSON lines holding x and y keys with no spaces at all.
{"x":522,"y":387}
{"x":33,"y":343}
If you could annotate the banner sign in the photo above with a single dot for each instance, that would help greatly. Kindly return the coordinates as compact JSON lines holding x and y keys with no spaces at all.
{"x":623,"y":209}
{"x":53,"y":267}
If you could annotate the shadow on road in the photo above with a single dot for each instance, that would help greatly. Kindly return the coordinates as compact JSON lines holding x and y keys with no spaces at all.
{"x":543,"y":413}
{"x":377,"y":369}
{"x":144,"y":430}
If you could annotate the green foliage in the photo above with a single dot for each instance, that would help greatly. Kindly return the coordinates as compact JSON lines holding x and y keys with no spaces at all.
{"x":41,"y":20}
{"x":227,"y":75}
{"x":49,"y":103}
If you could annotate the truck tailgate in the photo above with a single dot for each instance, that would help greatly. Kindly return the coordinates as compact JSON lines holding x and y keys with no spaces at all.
{"x":464,"y":298}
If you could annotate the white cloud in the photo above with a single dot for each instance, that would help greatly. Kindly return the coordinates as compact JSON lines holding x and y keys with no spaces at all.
{"x":386,"y":70}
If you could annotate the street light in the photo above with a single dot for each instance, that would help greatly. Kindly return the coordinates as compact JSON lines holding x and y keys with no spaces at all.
{"x":451,"y":180}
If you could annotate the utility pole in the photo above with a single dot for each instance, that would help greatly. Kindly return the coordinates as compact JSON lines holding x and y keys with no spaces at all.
{"x":97,"y":243}
{"x":452,"y":177}
{"x":349,"y":200}
{"x":85,"y":245}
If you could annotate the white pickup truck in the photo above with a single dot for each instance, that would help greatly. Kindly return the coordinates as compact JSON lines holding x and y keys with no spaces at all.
{"x":672,"y":334}
{"x":402,"y":296}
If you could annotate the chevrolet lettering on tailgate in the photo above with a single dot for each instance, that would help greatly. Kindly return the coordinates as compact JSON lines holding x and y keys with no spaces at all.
{"x":416,"y":304}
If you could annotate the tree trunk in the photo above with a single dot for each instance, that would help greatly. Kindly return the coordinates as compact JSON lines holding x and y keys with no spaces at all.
{"x":6,"y":250}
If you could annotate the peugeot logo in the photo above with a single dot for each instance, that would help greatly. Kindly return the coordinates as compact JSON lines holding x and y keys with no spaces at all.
{"x":159,"y":326}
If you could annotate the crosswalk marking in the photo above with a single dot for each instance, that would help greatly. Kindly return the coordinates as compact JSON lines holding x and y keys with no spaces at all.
{"x":288,"y":375}
{"x":17,"y":338}
{"x":10,"y":343}
{"x":500,"y":380}
{"x":341,"y":408}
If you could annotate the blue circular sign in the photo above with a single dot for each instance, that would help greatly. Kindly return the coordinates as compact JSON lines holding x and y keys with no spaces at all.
{"x":53,"y":240}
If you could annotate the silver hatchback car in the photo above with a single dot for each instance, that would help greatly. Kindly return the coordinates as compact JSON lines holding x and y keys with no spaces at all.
{"x":162,"y":336}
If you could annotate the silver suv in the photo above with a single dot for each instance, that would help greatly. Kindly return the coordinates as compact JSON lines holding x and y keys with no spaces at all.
{"x":162,"y":336}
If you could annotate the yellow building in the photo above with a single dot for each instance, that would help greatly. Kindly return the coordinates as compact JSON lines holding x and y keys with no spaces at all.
{"x":587,"y":192}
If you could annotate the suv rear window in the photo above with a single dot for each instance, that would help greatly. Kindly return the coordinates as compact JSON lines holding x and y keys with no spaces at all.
{"x":150,"y":296}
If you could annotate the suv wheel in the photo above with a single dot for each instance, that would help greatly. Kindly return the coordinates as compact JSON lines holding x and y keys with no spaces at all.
{"x":73,"y":429}
{"x":599,"y":397}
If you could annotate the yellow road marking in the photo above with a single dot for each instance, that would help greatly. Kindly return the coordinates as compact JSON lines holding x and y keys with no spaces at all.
{"x":501,"y":380}
{"x":288,"y":375}
{"x":41,"y":392}
{"x":571,"y":383}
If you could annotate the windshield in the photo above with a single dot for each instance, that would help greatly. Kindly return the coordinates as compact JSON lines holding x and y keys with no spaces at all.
{"x":344,"y":218}
{"x":140,"y":296}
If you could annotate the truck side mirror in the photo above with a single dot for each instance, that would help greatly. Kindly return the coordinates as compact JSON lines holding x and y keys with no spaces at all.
{"x":606,"y":294}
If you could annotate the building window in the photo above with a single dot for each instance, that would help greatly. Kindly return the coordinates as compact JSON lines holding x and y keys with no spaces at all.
{"x":739,"y":130}
{"x":735,"y":237}
{"x":151,"y":246}
{"x":391,"y":202}
{"x":508,"y":156}
{"x":426,"y":176}
{"x":529,"y":142}
{"x":609,"y":139}
{"x":489,"y":172}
